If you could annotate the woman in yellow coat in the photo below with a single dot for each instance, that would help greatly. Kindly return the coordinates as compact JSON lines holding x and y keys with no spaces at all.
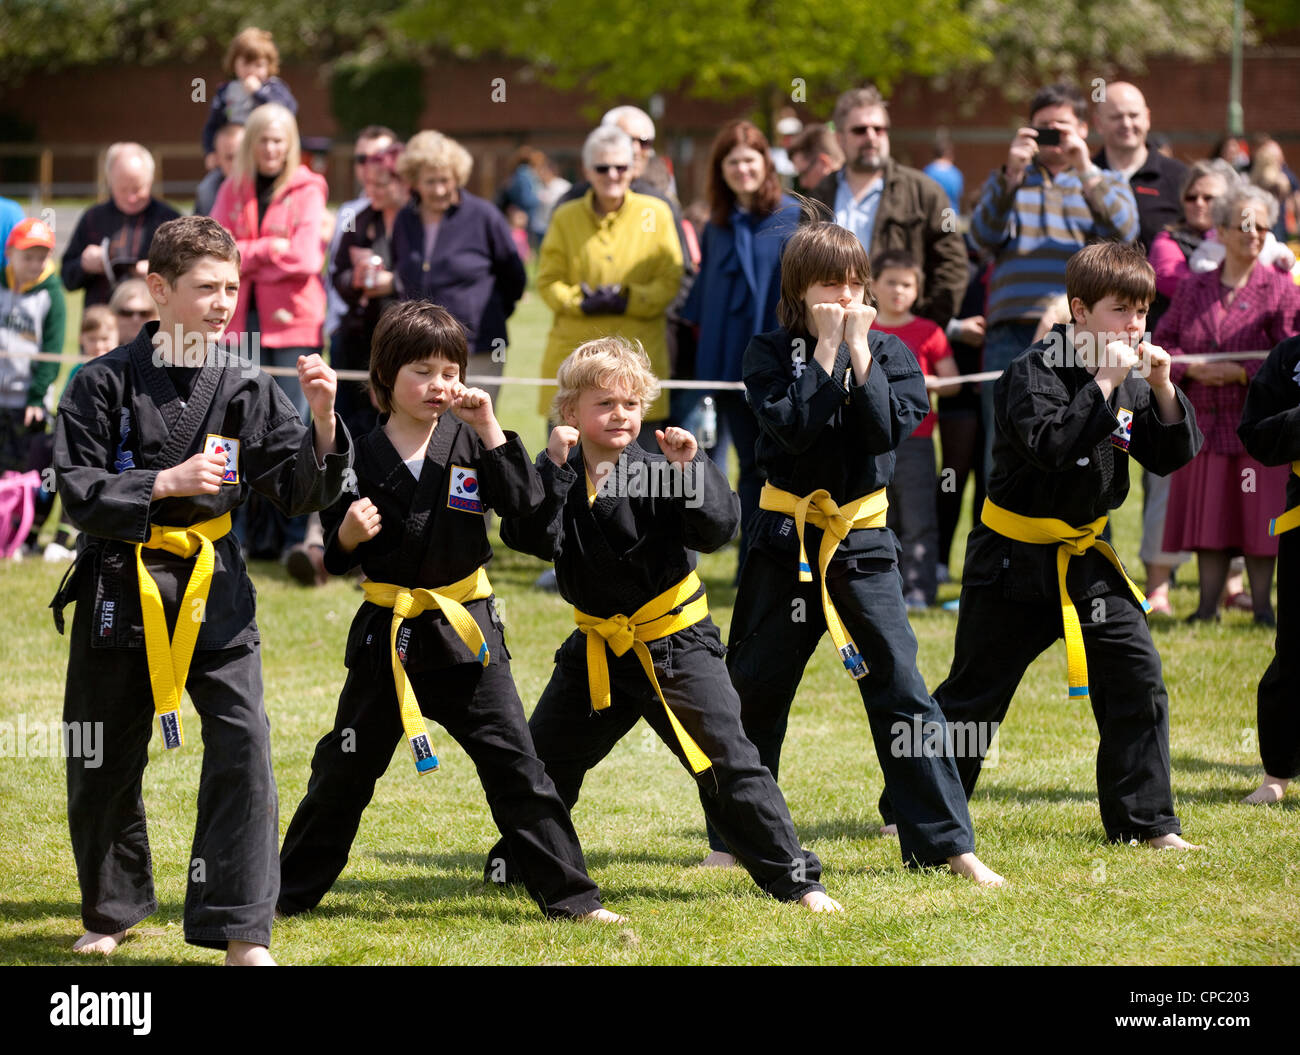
{"x":610,"y":263}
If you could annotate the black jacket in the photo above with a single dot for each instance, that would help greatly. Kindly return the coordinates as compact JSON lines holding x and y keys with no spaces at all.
{"x":626,"y":549}
{"x":128,"y":242}
{"x":1270,"y":420}
{"x":815,"y":433}
{"x":426,"y":539}
{"x":120,"y":422}
{"x":1060,"y":450}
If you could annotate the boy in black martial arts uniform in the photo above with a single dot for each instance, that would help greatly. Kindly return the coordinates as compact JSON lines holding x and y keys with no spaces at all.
{"x":1069,"y":413}
{"x":1270,"y":429}
{"x":833,"y":401}
{"x":427,"y":640}
{"x":155,"y":444}
{"x":620,"y":522}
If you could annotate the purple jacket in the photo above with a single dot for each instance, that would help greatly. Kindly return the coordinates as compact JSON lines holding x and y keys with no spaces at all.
{"x":474,"y":271}
{"x":1265,"y":311}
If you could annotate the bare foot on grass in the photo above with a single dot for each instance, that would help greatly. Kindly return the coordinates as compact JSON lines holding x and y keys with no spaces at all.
{"x":719,"y":859}
{"x":247,"y":954}
{"x":1268,"y":792}
{"x":889,"y":829}
{"x":974,"y":869}
{"x":601,"y":915}
{"x":820,"y":901}
{"x":93,"y":942}
{"x":1172,"y":842}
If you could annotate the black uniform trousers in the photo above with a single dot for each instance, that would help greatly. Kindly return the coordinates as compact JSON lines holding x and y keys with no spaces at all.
{"x":480,"y":708}
{"x":234,"y":870}
{"x":777,"y":625}
{"x":998,"y":637}
{"x":1278,"y":699}
{"x":739,"y":795}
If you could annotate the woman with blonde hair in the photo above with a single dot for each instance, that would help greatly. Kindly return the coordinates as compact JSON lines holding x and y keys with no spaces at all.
{"x":273,"y":205}
{"x":454,"y":248}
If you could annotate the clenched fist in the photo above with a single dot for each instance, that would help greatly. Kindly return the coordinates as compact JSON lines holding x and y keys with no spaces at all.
{"x":199,"y":475}
{"x":360,"y":524}
{"x":678,"y":445}
{"x":563,"y":439}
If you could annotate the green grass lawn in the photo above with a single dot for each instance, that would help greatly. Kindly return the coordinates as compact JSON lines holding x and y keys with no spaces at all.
{"x":412,"y":891}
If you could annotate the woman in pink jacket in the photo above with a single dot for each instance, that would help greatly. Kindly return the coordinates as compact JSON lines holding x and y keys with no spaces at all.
{"x":273,"y":205}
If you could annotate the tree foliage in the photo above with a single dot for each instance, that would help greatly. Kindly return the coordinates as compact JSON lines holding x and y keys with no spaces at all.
{"x":707,"y":48}
{"x":52,"y":34}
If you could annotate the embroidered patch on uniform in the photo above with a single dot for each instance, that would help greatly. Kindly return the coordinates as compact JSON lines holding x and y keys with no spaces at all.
{"x":123,"y":459}
{"x":1123,"y":433}
{"x":216,"y":443}
{"x":464,"y":493}
{"x":106,"y":618}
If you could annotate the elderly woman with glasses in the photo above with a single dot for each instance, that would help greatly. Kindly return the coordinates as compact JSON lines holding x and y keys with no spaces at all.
{"x":610,"y":263}
{"x":1176,"y":252}
{"x":1220,"y":504}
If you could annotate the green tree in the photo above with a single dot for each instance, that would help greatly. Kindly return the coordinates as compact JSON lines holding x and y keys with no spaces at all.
{"x":721,"y":49}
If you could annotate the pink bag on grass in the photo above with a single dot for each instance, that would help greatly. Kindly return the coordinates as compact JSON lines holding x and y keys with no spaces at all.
{"x":17,"y":509}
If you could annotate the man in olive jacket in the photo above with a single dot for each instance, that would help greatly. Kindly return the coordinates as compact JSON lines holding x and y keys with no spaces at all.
{"x":891,"y":206}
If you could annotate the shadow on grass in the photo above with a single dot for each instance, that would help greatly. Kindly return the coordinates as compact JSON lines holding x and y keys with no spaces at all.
{"x":66,"y":916}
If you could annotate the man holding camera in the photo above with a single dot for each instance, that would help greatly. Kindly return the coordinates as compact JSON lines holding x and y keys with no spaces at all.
{"x":1047,"y":202}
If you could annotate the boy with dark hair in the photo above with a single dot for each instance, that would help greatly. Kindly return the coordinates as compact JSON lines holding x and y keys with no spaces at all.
{"x":1068,"y":415}
{"x":428,"y":640}
{"x":155,"y":444}
{"x":834,"y":399}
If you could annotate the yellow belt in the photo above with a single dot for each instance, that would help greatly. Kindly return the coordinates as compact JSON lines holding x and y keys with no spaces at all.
{"x":1289,"y":519}
{"x":1073,"y":542}
{"x":819,"y":510}
{"x":650,"y":622}
{"x":406,"y":604}
{"x":169,"y":660}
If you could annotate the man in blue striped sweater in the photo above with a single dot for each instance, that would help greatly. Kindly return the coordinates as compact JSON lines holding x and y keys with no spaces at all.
{"x":1048,"y":201}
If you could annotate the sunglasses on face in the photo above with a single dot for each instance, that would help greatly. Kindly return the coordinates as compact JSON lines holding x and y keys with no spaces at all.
{"x":862,"y":130}
{"x":133,"y":313}
{"x":1199,"y":197}
{"x":369,"y":159}
{"x":605,"y":170}
{"x":644,"y":144}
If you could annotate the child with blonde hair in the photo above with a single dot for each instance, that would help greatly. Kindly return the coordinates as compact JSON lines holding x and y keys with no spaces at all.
{"x":621,"y":523}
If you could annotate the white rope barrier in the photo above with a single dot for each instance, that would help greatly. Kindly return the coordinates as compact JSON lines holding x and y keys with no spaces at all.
{"x":705,"y":386}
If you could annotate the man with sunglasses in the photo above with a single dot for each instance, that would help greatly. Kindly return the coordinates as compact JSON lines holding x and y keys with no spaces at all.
{"x":368,"y":157}
{"x":892,"y":207}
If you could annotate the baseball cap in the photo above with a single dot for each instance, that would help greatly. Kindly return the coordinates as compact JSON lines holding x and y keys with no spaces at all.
{"x":28,"y":233}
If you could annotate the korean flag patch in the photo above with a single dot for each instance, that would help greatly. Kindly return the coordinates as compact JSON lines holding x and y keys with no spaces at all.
{"x":464,"y":492}
{"x":1123,"y":433}
{"x":216,"y":443}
